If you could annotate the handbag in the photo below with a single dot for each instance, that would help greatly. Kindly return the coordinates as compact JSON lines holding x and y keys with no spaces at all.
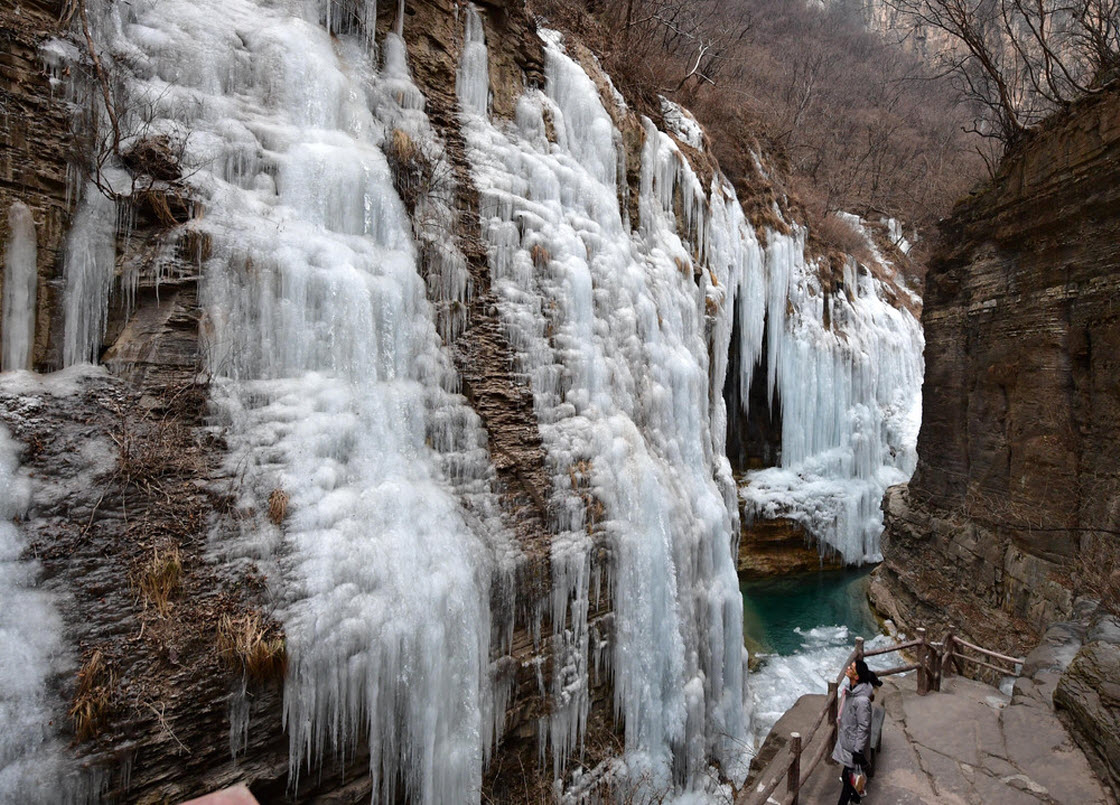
{"x":857,"y":778}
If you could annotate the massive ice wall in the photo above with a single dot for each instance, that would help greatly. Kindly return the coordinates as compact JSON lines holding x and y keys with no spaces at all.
{"x":333,"y":384}
{"x":329,"y":376}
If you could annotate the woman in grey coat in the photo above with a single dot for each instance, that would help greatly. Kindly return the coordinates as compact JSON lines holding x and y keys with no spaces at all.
{"x":854,"y":725}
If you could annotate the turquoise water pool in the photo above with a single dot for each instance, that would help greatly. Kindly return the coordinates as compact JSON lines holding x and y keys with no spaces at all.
{"x":778,"y":612}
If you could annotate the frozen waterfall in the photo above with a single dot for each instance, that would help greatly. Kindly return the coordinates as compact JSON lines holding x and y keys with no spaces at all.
{"x":846,"y":369}
{"x":614,"y":338}
{"x":89,"y":264}
{"x":332,"y":382}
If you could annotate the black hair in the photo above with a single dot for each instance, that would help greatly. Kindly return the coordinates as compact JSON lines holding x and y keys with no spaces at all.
{"x":865,"y":674}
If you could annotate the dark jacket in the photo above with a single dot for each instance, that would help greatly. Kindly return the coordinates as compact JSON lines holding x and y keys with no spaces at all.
{"x":854,"y":730}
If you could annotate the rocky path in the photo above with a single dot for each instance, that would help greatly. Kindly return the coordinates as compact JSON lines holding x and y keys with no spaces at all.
{"x":967,"y":745}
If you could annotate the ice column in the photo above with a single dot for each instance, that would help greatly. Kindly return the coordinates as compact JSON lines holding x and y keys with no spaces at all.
{"x":29,"y":642}
{"x":90,"y":263}
{"x":20,"y":275}
{"x":473,"y":85}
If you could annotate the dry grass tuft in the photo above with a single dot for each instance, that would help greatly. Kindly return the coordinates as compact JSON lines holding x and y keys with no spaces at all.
{"x":413,"y":174}
{"x":159,"y":576}
{"x":830,"y":232}
{"x":91,"y":700}
{"x":277,"y":506}
{"x":540,"y":255}
{"x":402,"y":148}
{"x":254,"y":646}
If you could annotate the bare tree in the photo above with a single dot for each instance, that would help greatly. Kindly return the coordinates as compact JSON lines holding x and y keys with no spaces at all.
{"x":1019,"y":61}
{"x":700,"y":34}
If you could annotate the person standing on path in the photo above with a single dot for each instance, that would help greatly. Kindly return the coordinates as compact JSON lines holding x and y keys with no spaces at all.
{"x":854,"y":725}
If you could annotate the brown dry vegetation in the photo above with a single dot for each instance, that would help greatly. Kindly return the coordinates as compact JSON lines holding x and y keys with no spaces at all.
{"x":1098,"y":569}
{"x":158,"y":577}
{"x":92,"y":697}
{"x":277,"y":506}
{"x":1018,"y":62}
{"x":254,"y":645}
{"x":853,"y":122}
{"x":540,"y":255}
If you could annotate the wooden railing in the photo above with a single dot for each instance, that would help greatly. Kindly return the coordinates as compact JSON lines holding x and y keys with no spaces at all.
{"x":933,"y":662}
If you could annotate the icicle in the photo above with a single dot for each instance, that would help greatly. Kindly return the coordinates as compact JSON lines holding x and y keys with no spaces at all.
{"x":20,"y":279}
{"x":89,"y":265}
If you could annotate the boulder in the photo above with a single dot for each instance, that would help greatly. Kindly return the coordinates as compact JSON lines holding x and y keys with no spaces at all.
{"x":1088,"y":697}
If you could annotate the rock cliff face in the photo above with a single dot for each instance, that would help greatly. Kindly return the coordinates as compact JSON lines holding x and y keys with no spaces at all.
{"x":1019,"y":451}
{"x":37,"y":148}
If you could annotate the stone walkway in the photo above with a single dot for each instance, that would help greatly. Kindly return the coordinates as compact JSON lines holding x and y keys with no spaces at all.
{"x":967,"y":745}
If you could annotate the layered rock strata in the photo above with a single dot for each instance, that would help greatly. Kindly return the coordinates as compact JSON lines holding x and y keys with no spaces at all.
{"x":1019,"y":461}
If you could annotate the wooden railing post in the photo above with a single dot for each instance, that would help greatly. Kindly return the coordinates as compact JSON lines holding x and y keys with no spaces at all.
{"x":833,"y":714}
{"x":793,"y":781}
{"x":859,"y":648}
{"x":947,"y":654}
{"x":935,"y":658}
{"x":923,"y":663}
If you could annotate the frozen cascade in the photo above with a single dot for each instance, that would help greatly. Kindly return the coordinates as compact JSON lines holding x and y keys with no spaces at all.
{"x":89,"y":263}
{"x":331,"y":379}
{"x":30,"y":642}
{"x":850,"y":396}
{"x":333,"y":386}
{"x":613,"y":336}
{"x":20,"y":276}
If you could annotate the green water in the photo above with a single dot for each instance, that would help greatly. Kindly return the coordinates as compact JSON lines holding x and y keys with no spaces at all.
{"x":774,"y":608}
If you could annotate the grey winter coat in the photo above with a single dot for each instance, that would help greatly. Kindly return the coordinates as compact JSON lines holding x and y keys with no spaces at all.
{"x":854,"y":730}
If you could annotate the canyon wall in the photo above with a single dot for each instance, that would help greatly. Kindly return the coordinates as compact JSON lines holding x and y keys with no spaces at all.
{"x":1017,"y":491}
